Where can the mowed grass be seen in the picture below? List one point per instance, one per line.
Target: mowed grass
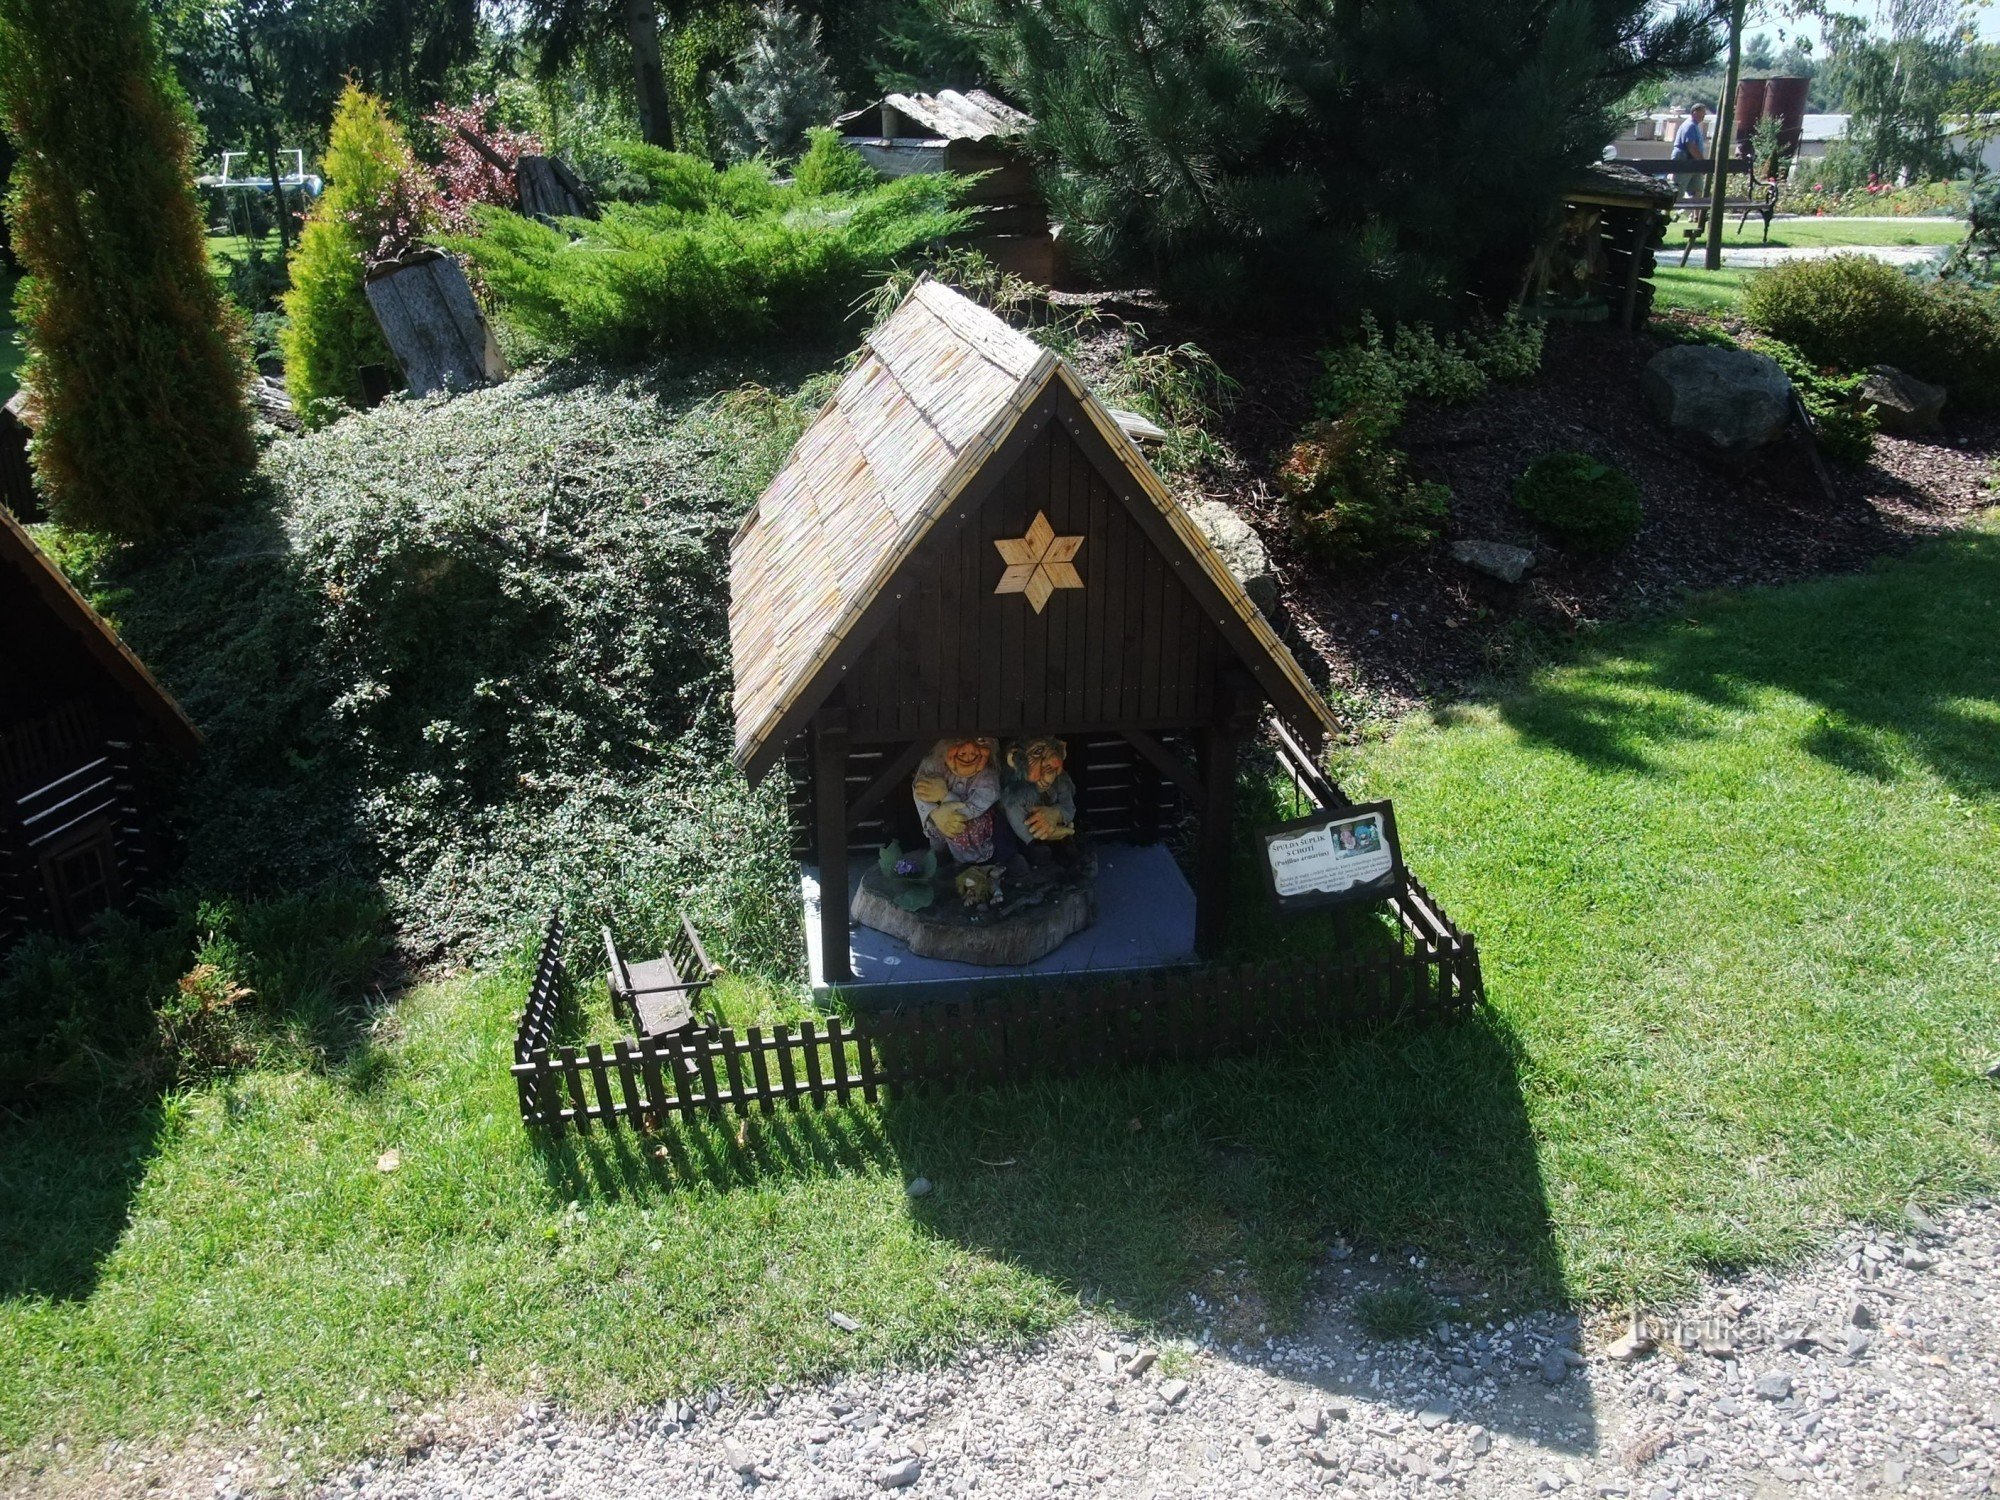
(1695, 290)
(1833, 232)
(1733, 881)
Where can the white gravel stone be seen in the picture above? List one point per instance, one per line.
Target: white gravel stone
(1323, 1412)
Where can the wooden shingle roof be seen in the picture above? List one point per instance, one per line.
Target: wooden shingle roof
(974, 115)
(940, 386)
(24, 565)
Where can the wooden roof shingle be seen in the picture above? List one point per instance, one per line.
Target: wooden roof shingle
(940, 385)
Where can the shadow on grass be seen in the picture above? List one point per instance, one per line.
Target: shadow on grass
(1903, 664)
(67, 1179)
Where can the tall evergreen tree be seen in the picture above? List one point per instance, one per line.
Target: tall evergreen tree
(780, 91)
(1307, 157)
(135, 373)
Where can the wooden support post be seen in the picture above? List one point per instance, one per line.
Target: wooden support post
(1235, 710)
(830, 808)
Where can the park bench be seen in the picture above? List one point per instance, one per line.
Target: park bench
(1760, 197)
(659, 994)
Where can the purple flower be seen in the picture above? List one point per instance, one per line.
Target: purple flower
(908, 867)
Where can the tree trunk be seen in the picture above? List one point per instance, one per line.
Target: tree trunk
(642, 26)
(256, 81)
(1723, 148)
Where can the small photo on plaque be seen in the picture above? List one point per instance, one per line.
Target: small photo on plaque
(1332, 858)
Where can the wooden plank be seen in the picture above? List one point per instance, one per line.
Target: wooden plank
(627, 1069)
(656, 1089)
(758, 1068)
(731, 1047)
(600, 1079)
(810, 1041)
(836, 1040)
(580, 1106)
(865, 1048)
(783, 1042)
(830, 800)
(711, 1094)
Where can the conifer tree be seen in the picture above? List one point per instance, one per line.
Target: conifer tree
(135, 372)
(1306, 158)
(378, 204)
(781, 89)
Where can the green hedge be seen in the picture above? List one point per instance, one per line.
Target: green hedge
(1853, 311)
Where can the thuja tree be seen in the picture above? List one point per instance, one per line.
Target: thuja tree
(1308, 157)
(135, 372)
(780, 91)
(378, 203)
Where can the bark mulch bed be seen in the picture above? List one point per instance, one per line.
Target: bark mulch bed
(1423, 627)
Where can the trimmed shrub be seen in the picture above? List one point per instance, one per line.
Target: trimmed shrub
(712, 258)
(134, 368)
(1585, 501)
(378, 203)
(1349, 495)
(1852, 311)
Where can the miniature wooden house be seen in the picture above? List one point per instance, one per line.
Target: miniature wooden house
(965, 542)
(970, 135)
(80, 717)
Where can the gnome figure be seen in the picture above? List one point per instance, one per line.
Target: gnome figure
(1040, 798)
(956, 787)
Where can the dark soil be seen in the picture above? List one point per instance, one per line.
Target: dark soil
(1423, 627)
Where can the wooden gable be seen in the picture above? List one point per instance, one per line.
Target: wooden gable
(871, 563)
(1133, 645)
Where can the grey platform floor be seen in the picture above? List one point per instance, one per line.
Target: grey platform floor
(1145, 920)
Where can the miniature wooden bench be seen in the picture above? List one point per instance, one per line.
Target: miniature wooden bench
(659, 994)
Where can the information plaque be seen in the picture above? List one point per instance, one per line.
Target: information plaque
(1333, 858)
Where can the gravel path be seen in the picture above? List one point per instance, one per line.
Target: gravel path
(1876, 1370)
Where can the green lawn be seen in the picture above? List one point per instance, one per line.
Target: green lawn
(1695, 289)
(1732, 877)
(1833, 232)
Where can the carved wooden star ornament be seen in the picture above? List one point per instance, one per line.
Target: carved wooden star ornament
(1039, 563)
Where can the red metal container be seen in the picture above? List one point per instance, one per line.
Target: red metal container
(1785, 101)
(1749, 107)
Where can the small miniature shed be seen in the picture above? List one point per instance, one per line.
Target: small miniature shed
(968, 134)
(81, 723)
(1596, 263)
(966, 542)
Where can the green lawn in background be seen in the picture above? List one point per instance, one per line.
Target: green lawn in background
(1833, 232)
(1696, 290)
(1732, 878)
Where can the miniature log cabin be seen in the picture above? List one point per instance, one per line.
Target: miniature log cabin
(81, 720)
(966, 545)
(971, 135)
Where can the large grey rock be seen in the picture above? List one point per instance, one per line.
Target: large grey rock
(1733, 400)
(1495, 559)
(1237, 543)
(1903, 403)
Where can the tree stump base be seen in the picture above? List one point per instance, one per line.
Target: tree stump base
(1041, 907)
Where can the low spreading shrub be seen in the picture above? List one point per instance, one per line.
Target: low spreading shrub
(1418, 362)
(1852, 311)
(1843, 424)
(476, 651)
(710, 259)
(1349, 495)
(1583, 500)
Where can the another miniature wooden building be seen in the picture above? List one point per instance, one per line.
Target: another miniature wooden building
(79, 717)
(966, 542)
(969, 134)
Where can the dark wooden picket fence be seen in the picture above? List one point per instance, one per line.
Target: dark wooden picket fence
(1423, 966)
(1167, 1016)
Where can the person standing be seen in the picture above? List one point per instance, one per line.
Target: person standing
(1691, 147)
